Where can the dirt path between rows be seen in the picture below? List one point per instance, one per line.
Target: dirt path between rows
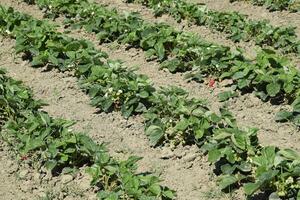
(9, 185)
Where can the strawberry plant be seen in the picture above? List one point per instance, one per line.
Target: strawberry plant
(183, 52)
(241, 161)
(224, 96)
(14, 97)
(175, 118)
(113, 87)
(271, 77)
(49, 142)
(120, 183)
(293, 115)
(231, 148)
(158, 40)
(237, 26)
(277, 5)
(200, 58)
(48, 139)
(276, 170)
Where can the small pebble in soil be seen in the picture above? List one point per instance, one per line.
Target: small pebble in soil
(23, 174)
(66, 178)
(190, 157)
(167, 154)
(84, 183)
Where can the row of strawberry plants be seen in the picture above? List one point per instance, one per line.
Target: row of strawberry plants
(49, 142)
(171, 116)
(276, 5)
(110, 85)
(237, 26)
(272, 77)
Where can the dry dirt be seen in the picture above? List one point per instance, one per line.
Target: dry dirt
(185, 169)
(21, 182)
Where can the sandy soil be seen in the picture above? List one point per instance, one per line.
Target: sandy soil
(21, 182)
(184, 169)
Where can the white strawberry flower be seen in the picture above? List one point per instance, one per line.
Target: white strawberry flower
(110, 90)
(8, 32)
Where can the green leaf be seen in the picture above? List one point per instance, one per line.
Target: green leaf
(71, 54)
(266, 159)
(296, 105)
(126, 112)
(149, 53)
(230, 155)
(288, 87)
(53, 60)
(199, 134)
(239, 140)
(245, 167)
(51, 164)
(198, 112)
(296, 120)
(222, 135)
(169, 194)
(37, 61)
(155, 189)
(144, 94)
(159, 47)
(224, 96)
(273, 89)
(227, 180)
(290, 154)
(45, 118)
(106, 104)
(262, 95)
(228, 169)
(283, 116)
(155, 134)
(73, 46)
(263, 179)
(238, 75)
(214, 155)
(250, 188)
(242, 83)
(182, 125)
(33, 144)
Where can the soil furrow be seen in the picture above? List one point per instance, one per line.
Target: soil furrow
(9, 185)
